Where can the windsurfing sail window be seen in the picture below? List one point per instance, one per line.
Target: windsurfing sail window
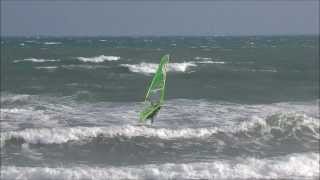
(156, 90)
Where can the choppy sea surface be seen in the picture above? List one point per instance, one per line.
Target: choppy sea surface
(236, 108)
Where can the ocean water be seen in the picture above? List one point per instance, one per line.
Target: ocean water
(236, 108)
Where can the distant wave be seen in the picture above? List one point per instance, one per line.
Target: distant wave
(36, 60)
(98, 59)
(84, 66)
(207, 60)
(30, 41)
(283, 126)
(202, 58)
(47, 67)
(292, 166)
(211, 62)
(263, 70)
(52, 43)
(148, 68)
(266, 70)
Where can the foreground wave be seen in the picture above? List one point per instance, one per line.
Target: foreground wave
(63, 135)
(278, 126)
(293, 166)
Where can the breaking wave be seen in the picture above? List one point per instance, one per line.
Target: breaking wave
(13, 98)
(211, 62)
(30, 41)
(207, 60)
(51, 43)
(279, 127)
(47, 67)
(293, 166)
(202, 58)
(148, 68)
(36, 60)
(63, 135)
(263, 70)
(98, 59)
(84, 66)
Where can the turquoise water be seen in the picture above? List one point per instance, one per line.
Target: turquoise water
(235, 106)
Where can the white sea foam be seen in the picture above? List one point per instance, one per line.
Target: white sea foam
(12, 98)
(207, 60)
(83, 66)
(36, 60)
(211, 62)
(14, 110)
(180, 67)
(52, 43)
(286, 123)
(148, 68)
(63, 135)
(263, 70)
(47, 67)
(202, 58)
(179, 118)
(30, 41)
(13, 118)
(145, 68)
(292, 166)
(98, 59)
(31, 111)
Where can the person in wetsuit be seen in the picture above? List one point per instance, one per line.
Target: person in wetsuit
(155, 112)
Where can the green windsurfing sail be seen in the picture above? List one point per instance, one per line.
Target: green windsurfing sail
(155, 93)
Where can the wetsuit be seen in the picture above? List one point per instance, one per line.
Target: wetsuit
(155, 112)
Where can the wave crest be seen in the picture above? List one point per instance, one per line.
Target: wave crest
(98, 59)
(278, 127)
(36, 60)
(283, 126)
(52, 43)
(300, 166)
(149, 68)
(63, 135)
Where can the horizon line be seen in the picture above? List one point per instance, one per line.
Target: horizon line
(221, 35)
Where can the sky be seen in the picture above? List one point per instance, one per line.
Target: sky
(162, 18)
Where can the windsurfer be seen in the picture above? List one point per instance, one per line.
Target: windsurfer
(157, 107)
(155, 92)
